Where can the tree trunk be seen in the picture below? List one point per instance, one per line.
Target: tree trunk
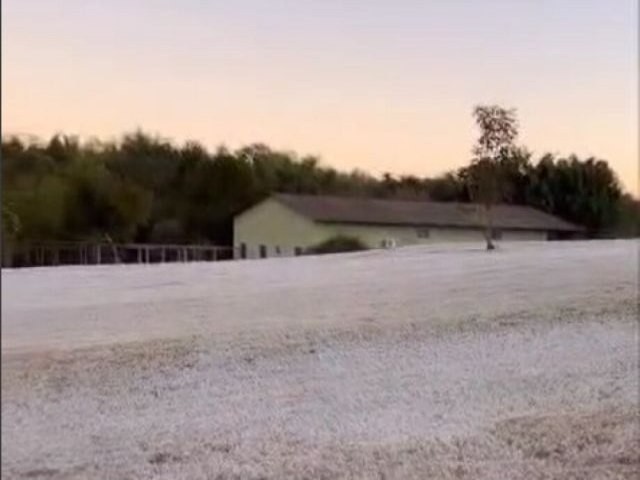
(114, 249)
(490, 245)
(488, 231)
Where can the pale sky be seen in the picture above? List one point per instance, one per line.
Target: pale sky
(376, 85)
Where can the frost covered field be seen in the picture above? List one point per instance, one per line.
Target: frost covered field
(426, 362)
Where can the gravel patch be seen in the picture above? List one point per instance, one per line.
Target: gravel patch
(414, 363)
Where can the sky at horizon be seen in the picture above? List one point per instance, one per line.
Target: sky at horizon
(383, 86)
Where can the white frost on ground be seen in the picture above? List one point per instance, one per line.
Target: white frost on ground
(425, 362)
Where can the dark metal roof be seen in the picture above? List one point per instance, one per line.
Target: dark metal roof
(419, 213)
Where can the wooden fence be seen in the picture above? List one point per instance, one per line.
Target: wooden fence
(86, 253)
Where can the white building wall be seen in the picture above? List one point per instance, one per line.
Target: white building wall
(374, 235)
(524, 235)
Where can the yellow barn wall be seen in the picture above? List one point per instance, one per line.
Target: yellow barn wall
(273, 225)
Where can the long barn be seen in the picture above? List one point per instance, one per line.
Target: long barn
(286, 225)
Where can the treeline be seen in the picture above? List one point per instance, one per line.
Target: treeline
(146, 189)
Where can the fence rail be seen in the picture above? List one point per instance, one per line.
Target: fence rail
(98, 253)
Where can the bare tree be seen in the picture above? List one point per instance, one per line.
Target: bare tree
(498, 131)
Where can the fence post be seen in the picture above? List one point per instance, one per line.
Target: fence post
(90, 253)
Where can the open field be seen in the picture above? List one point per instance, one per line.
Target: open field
(426, 362)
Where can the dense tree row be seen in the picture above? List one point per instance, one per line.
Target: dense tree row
(145, 189)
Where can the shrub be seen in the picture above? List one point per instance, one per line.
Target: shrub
(338, 244)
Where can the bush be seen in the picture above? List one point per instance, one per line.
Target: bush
(338, 244)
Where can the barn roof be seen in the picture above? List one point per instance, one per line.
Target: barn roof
(371, 211)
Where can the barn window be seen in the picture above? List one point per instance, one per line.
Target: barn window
(263, 251)
(423, 232)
